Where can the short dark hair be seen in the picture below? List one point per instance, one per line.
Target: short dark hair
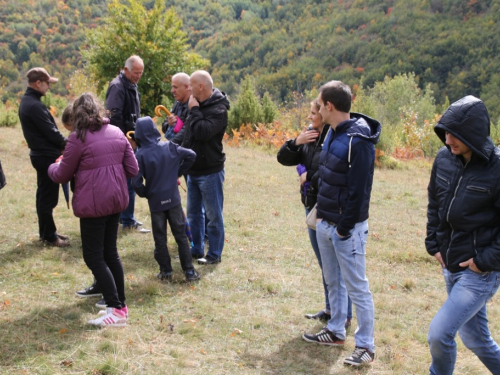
(337, 93)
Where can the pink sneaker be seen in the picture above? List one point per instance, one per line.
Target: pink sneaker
(124, 310)
(112, 318)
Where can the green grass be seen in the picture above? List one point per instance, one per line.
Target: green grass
(245, 316)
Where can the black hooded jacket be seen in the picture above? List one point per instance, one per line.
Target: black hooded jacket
(205, 128)
(464, 197)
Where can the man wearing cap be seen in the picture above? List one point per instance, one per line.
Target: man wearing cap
(46, 144)
(123, 103)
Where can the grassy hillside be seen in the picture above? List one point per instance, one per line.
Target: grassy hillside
(246, 315)
(287, 45)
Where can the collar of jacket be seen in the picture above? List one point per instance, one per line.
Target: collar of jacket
(32, 92)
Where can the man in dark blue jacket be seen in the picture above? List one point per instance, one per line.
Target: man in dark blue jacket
(181, 90)
(463, 234)
(123, 102)
(160, 165)
(205, 129)
(46, 144)
(345, 183)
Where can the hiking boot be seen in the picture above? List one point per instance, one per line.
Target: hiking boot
(209, 260)
(112, 318)
(192, 275)
(322, 315)
(323, 337)
(91, 291)
(360, 357)
(101, 304)
(62, 237)
(164, 276)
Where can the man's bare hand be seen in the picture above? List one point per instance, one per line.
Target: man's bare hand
(439, 259)
(172, 120)
(470, 263)
(193, 102)
(303, 178)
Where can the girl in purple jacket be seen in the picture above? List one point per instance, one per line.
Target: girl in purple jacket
(100, 158)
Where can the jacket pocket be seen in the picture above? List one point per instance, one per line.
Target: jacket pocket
(478, 189)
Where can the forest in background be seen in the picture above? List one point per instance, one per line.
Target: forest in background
(286, 45)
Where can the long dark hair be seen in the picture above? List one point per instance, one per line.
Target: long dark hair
(88, 114)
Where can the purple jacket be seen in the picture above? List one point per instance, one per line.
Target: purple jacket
(100, 166)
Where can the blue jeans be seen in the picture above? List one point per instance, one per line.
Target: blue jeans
(344, 268)
(464, 311)
(127, 216)
(206, 191)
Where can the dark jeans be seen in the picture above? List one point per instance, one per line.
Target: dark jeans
(47, 196)
(178, 227)
(127, 216)
(101, 256)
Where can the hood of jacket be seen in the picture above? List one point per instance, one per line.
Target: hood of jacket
(217, 97)
(467, 119)
(146, 132)
(361, 126)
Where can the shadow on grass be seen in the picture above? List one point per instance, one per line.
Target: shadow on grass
(300, 357)
(295, 357)
(43, 331)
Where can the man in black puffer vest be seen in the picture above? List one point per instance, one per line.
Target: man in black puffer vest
(345, 183)
(463, 233)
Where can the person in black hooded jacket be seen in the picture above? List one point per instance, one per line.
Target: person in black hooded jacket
(204, 131)
(463, 233)
(305, 150)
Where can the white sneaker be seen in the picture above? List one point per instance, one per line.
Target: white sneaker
(112, 318)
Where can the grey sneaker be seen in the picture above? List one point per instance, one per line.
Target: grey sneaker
(360, 357)
(101, 304)
(136, 227)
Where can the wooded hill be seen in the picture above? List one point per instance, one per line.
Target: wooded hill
(287, 45)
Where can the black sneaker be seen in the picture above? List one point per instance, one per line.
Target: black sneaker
(322, 315)
(323, 337)
(192, 275)
(209, 260)
(164, 276)
(101, 304)
(360, 357)
(91, 291)
(197, 256)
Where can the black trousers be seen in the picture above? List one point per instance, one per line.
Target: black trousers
(47, 196)
(178, 227)
(101, 256)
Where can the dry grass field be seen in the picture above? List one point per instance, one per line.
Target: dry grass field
(246, 315)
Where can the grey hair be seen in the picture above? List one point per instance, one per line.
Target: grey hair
(131, 60)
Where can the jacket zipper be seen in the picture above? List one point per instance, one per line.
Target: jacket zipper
(449, 209)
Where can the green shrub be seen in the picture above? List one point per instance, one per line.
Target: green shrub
(8, 116)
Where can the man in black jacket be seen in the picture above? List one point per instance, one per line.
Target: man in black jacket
(181, 90)
(205, 128)
(123, 102)
(46, 144)
(463, 233)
